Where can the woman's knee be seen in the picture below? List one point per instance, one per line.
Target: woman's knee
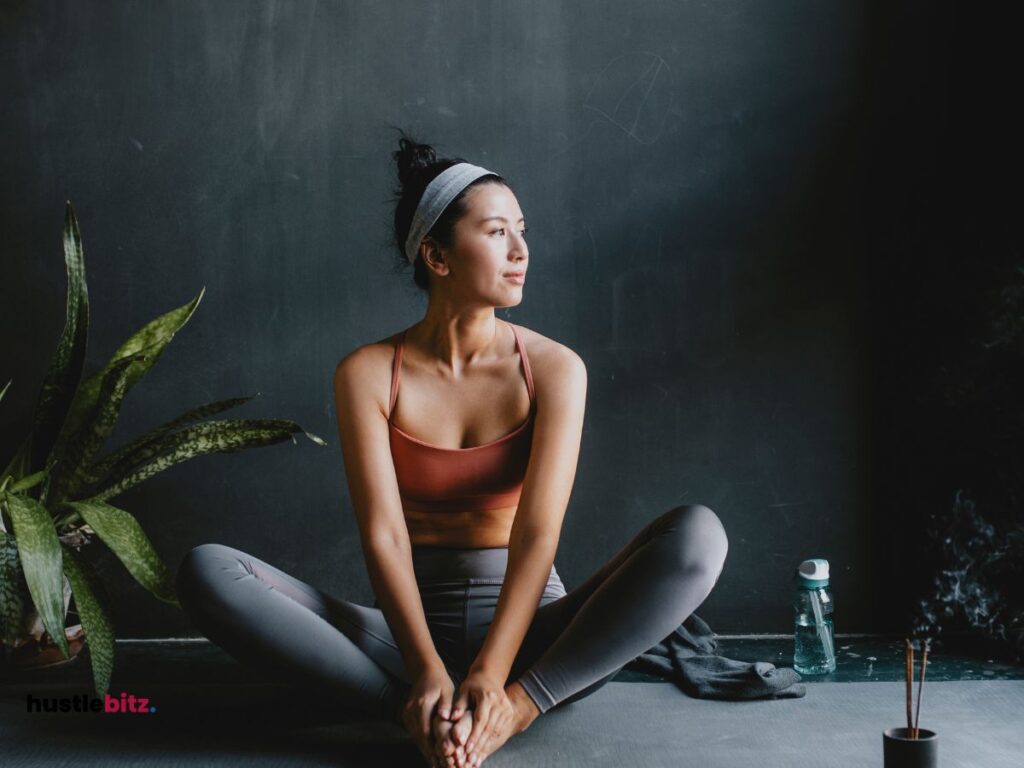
(196, 567)
(702, 538)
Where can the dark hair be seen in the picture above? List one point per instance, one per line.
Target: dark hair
(417, 167)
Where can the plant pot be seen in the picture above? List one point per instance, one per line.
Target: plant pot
(901, 751)
(43, 653)
(33, 647)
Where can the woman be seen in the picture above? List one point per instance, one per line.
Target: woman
(459, 485)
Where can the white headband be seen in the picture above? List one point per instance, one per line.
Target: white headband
(441, 190)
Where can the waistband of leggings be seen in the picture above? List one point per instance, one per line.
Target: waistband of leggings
(441, 564)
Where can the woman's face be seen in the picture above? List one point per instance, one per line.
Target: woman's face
(490, 246)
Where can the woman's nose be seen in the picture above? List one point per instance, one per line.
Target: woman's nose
(519, 244)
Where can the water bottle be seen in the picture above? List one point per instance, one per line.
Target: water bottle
(814, 646)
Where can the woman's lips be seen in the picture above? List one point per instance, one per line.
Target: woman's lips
(517, 278)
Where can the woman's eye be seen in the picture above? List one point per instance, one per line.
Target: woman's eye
(522, 233)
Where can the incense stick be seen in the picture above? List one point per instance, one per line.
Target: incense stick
(920, 687)
(908, 664)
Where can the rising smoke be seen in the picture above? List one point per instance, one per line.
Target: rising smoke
(978, 567)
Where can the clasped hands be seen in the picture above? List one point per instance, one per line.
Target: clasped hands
(432, 704)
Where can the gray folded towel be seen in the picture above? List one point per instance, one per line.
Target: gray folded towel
(689, 658)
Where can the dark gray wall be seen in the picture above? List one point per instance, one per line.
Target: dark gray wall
(695, 181)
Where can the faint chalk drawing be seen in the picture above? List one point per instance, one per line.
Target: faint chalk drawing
(633, 92)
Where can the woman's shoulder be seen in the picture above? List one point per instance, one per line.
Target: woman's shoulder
(372, 353)
(369, 365)
(549, 359)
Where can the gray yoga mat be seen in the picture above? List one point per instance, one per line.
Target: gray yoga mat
(835, 725)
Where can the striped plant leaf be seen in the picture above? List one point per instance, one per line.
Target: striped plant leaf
(120, 531)
(65, 371)
(192, 435)
(228, 436)
(152, 337)
(31, 481)
(140, 450)
(82, 446)
(12, 607)
(96, 623)
(39, 550)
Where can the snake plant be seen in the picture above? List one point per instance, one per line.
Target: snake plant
(55, 492)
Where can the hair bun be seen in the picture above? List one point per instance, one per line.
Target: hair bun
(412, 157)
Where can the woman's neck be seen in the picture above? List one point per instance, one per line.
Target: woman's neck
(455, 340)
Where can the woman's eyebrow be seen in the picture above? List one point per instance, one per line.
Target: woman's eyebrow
(502, 218)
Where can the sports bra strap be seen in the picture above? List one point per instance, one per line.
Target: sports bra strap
(526, 362)
(396, 368)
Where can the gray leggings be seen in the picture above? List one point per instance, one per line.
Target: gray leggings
(576, 642)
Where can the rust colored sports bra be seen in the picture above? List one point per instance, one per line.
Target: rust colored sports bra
(488, 476)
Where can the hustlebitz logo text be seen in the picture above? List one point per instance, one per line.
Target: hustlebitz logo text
(125, 704)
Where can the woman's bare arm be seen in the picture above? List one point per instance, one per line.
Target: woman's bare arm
(561, 401)
(365, 447)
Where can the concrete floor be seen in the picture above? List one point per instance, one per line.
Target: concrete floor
(211, 711)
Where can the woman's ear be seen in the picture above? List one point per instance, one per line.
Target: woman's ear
(433, 256)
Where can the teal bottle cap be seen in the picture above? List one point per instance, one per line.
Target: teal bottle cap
(812, 573)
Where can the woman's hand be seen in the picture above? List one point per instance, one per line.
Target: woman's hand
(432, 690)
(492, 709)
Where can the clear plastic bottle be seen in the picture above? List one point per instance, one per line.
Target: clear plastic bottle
(814, 644)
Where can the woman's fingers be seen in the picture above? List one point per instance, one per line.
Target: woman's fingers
(496, 724)
(483, 749)
(444, 704)
(460, 705)
(481, 722)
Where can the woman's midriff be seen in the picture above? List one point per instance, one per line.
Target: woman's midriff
(470, 529)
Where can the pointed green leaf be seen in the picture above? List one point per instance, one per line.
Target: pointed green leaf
(194, 434)
(12, 607)
(81, 446)
(152, 337)
(65, 371)
(227, 436)
(96, 623)
(142, 449)
(120, 531)
(29, 482)
(39, 549)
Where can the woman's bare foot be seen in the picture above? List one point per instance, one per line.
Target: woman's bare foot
(525, 713)
(450, 737)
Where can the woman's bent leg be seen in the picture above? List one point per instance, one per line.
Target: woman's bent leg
(272, 621)
(578, 642)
